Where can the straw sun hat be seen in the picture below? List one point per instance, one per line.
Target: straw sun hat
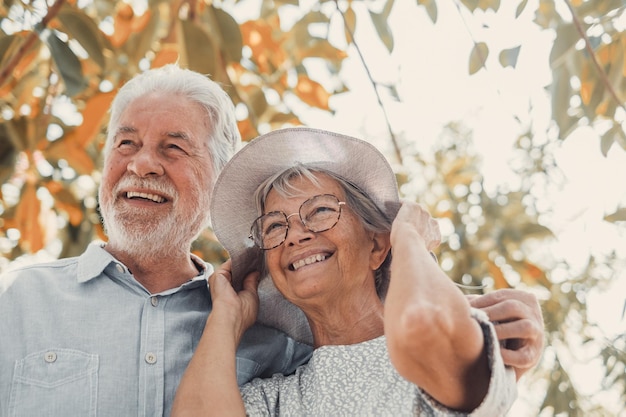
(233, 208)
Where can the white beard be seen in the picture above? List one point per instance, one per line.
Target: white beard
(146, 235)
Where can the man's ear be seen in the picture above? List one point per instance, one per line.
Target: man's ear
(380, 248)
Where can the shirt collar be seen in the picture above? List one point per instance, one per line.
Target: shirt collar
(95, 259)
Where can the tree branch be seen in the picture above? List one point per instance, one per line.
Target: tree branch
(592, 54)
(374, 85)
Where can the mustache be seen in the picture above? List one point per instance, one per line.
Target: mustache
(158, 185)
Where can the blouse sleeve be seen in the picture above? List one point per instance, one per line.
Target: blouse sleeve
(260, 396)
(502, 390)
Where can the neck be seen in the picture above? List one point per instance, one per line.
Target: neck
(157, 272)
(347, 323)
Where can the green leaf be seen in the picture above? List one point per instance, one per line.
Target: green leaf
(431, 8)
(383, 30)
(140, 43)
(257, 101)
(566, 38)
(478, 57)
(68, 65)
(618, 216)
(607, 140)
(8, 155)
(201, 53)
(80, 27)
(508, 57)
(5, 45)
(232, 41)
(560, 92)
(520, 8)
(470, 4)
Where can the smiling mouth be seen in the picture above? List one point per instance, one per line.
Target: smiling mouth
(145, 196)
(307, 261)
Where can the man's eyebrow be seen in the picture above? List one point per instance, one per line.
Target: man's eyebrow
(125, 129)
(178, 135)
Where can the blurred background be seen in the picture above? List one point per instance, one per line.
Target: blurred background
(507, 119)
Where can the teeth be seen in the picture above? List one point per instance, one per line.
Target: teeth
(308, 261)
(153, 197)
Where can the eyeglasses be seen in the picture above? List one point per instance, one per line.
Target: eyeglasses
(318, 214)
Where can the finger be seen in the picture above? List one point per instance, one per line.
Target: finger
(251, 282)
(519, 329)
(502, 295)
(217, 281)
(521, 358)
(226, 270)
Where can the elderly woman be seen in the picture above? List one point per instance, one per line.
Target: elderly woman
(324, 226)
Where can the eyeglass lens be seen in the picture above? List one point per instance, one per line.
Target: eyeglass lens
(318, 214)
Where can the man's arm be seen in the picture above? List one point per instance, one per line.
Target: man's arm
(518, 321)
(517, 318)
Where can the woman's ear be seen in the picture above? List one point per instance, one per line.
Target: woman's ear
(380, 248)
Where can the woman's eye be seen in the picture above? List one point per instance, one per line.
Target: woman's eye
(273, 227)
(321, 210)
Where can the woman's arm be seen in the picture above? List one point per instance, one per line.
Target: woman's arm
(432, 338)
(209, 385)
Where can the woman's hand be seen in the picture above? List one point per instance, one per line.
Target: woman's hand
(412, 217)
(238, 310)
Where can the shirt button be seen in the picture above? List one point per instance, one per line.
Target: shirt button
(50, 357)
(120, 268)
(154, 301)
(151, 358)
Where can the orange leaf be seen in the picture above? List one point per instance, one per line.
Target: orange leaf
(139, 23)
(497, 275)
(93, 114)
(74, 212)
(247, 130)
(65, 201)
(312, 92)
(167, 55)
(27, 219)
(122, 23)
(71, 151)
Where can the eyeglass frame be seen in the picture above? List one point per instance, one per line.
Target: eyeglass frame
(287, 217)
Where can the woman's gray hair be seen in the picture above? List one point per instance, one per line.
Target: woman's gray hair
(370, 215)
(224, 138)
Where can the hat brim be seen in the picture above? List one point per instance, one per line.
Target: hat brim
(233, 208)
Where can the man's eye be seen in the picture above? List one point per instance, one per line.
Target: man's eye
(174, 147)
(125, 142)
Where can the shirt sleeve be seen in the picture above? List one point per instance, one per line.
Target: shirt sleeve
(265, 351)
(502, 390)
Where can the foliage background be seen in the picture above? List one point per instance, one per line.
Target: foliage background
(61, 63)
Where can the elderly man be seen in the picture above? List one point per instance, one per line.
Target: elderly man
(110, 332)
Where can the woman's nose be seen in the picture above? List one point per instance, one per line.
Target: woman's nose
(297, 231)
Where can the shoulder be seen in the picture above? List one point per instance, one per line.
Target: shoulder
(36, 274)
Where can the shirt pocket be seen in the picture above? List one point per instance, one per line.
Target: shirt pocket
(63, 382)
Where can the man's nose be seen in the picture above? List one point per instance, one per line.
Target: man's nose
(146, 163)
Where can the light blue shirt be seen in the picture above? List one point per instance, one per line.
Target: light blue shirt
(81, 337)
